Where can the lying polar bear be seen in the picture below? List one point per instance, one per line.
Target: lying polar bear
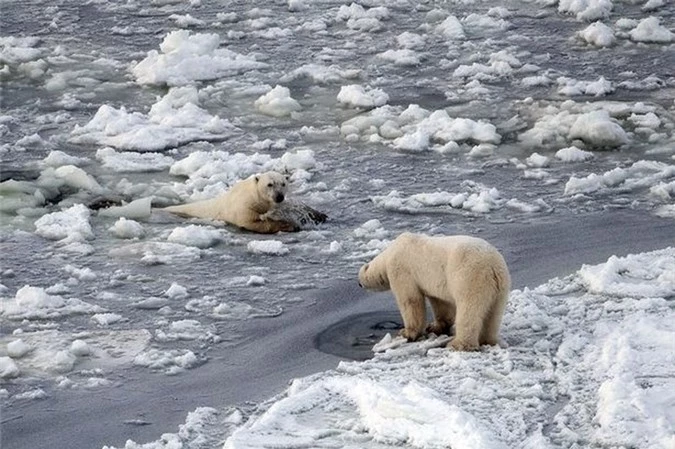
(256, 204)
(465, 279)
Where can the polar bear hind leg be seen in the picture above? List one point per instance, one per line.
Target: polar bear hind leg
(490, 333)
(444, 317)
(474, 303)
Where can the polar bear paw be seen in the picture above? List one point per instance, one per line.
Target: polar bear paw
(460, 345)
(410, 335)
(439, 328)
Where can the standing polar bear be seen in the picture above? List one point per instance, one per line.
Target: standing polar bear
(465, 279)
(251, 204)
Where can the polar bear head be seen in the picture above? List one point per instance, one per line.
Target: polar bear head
(373, 275)
(272, 186)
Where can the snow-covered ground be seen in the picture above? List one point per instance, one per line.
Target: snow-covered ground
(459, 116)
(588, 361)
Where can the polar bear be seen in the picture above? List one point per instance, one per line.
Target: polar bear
(249, 204)
(465, 279)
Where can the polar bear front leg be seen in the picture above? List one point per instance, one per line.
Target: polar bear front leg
(410, 303)
(264, 225)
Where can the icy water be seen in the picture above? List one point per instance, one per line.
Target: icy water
(177, 320)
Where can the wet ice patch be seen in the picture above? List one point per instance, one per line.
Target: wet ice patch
(586, 9)
(572, 87)
(8, 368)
(651, 30)
(170, 361)
(195, 235)
(573, 154)
(186, 58)
(641, 175)
(58, 158)
(154, 253)
(476, 198)
(321, 74)
(451, 28)
(21, 56)
(140, 208)
(269, 247)
(69, 225)
(358, 96)
(129, 161)
(127, 229)
(187, 330)
(416, 129)
(34, 303)
(598, 34)
(598, 129)
(358, 18)
(174, 120)
(277, 102)
(600, 125)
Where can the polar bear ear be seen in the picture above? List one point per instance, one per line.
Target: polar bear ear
(257, 178)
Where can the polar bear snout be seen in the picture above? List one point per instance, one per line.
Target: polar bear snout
(278, 197)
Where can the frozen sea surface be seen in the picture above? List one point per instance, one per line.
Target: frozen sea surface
(545, 127)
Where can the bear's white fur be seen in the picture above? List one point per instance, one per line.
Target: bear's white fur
(465, 279)
(247, 204)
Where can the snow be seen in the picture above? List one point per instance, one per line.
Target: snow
(437, 117)
(358, 96)
(58, 158)
(277, 102)
(70, 225)
(176, 291)
(174, 120)
(414, 128)
(269, 247)
(573, 154)
(17, 349)
(34, 303)
(139, 208)
(127, 229)
(651, 30)
(187, 57)
(130, 161)
(586, 9)
(195, 235)
(451, 28)
(155, 253)
(171, 361)
(573, 369)
(639, 176)
(477, 198)
(598, 129)
(598, 34)
(8, 368)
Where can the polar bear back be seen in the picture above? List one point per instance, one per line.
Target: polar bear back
(440, 265)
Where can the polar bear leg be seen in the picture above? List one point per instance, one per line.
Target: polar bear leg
(490, 333)
(270, 226)
(472, 312)
(444, 317)
(411, 305)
